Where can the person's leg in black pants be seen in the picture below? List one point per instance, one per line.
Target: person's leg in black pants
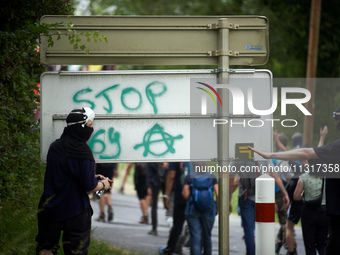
(176, 230)
(333, 246)
(76, 236)
(322, 231)
(309, 223)
(154, 220)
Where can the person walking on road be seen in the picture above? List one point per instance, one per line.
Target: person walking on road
(201, 210)
(139, 179)
(289, 218)
(108, 170)
(314, 220)
(280, 141)
(153, 186)
(173, 182)
(70, 174)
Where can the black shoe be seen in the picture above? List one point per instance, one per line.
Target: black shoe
(153, 232)
(162, 251)
(292, 253)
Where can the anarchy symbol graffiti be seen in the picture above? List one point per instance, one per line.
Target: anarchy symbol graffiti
(157, 135)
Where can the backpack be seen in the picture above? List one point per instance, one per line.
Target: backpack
(201, 194)
(248, 185)
(315, 203)
(247, 179)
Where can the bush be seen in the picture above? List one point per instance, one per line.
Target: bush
(19, 76)
(21, 168)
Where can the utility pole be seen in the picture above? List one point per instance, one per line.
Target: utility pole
(312, 60)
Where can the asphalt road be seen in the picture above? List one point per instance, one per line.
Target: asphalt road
(125, 231)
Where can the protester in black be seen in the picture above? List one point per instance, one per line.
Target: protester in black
(173, 182)
(314, 220)
(153, 186)
(329, 155)
(64, 205)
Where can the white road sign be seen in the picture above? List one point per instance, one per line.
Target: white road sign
(147, 115)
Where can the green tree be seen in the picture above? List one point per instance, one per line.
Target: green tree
(19, 75)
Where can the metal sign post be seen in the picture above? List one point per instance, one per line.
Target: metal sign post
(223, 140)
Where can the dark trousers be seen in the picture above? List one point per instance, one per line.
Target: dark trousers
(76, 234)
(154, 206)
(333, 245)
(176, 230)
(200, 227)
(247, 209)
(282, 215)
(315, 225)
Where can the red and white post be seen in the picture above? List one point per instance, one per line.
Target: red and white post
(265, 215)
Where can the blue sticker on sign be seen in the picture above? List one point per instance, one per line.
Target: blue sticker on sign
(254, 47)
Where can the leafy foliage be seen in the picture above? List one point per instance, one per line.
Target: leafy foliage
(19, 76)
(72, 35)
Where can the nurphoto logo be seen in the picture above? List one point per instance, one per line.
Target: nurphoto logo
(240, 100)
(204, 98)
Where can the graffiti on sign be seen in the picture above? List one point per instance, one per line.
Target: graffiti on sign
(157, 135)
(113, 141)
(152, 91)
(106, 143)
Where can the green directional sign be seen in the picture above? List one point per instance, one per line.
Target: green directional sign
(159, 40)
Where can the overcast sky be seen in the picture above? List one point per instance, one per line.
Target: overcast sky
(81, 7)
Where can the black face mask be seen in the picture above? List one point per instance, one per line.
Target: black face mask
(85, 133)
(338, 126)
(80, 133)
(72, 142)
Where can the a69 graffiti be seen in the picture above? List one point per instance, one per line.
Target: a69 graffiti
(107, 145)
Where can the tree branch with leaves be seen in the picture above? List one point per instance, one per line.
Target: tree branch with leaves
(75, 38)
